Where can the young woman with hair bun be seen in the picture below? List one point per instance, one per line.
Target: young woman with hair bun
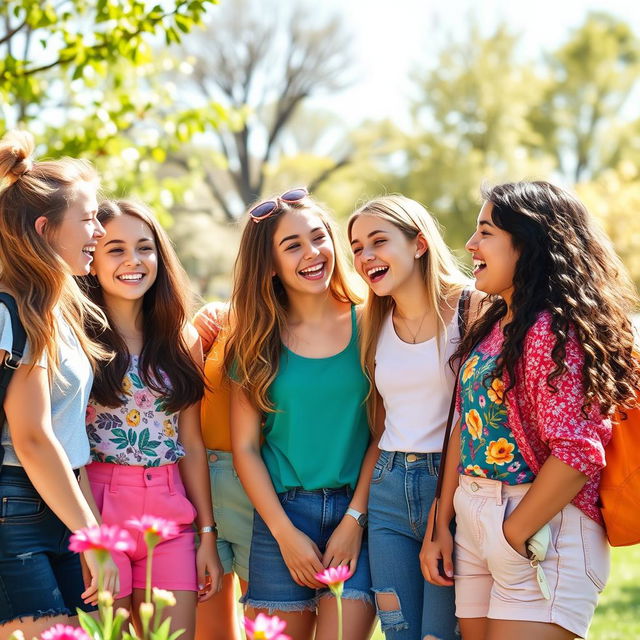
(542, 371)
(48, 232)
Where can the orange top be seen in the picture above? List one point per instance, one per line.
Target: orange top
(214, 412)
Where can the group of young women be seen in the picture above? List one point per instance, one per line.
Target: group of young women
(323, 418)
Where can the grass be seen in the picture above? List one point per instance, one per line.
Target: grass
(618, 613)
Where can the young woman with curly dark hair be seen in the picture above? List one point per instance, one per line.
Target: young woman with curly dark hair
(542, 370)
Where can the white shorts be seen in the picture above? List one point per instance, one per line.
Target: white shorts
(493, 580)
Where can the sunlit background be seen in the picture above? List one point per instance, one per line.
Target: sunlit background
(200, 109)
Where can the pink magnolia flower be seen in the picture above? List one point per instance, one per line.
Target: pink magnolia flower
(154, 529)
(64, 632)
(102, 538)
(265, 628)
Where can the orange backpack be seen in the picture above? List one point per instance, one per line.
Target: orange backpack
(620, 482)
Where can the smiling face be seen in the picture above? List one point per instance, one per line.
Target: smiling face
(494, 256)
(303, 252)
(384, 257)
(76, 237)
(126, 258)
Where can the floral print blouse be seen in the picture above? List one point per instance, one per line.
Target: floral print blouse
(140, 432)
(549, 421)
(487, 446)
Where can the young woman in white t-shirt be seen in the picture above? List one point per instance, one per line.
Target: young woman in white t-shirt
(410, 330)
(48, 230)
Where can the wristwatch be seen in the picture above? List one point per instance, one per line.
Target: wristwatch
(360, 518)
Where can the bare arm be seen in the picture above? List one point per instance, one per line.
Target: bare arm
(553, 489)
(194, 471)
(299, 552)
(28, 410)
(343, 547)
(441, 548)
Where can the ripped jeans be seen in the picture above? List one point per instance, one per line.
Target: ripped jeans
(402, 490)
(39, 576)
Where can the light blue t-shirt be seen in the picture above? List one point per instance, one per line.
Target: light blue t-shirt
(69, 393)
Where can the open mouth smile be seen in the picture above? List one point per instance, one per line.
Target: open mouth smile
(314, 272)
(375, 274)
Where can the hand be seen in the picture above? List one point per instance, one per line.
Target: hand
(515, 541)
(209, 567)
(302, 557)
(435, 554)
(209, 321)
(110, 578)
(344, 544)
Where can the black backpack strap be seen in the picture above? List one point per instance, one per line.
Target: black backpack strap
(11, 360)
(463, 317)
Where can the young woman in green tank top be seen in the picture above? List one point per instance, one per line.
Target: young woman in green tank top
(299, 430)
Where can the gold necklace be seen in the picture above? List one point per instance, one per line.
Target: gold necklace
(404, 320)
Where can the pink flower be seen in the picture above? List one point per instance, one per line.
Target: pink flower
(154, 529)
(143, 399)
(335, 577)
(482, 401)
(265, 628)
(102, 538)
(64, 632)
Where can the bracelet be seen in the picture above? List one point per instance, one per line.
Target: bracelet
(212, 529)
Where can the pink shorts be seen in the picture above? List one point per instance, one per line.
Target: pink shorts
(122, 492)
(493, 580)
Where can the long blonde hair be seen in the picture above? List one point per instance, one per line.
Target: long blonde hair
(30, 269)
(441, 272)
(259, 303)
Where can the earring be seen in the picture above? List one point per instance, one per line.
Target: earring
(417, 255)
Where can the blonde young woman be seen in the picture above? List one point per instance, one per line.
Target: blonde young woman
(410, 330)
(48, 231)
(298, 422)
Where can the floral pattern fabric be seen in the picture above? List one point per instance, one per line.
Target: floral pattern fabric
(140, 432)
(549, 421)
(487, 446)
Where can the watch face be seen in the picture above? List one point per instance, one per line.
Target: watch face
(362, 520)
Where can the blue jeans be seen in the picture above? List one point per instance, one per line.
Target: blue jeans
(316, 514)
(402, 490)
(39, 576)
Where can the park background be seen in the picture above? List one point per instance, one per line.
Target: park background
(200, 108)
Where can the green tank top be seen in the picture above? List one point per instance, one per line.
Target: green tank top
(319, 433)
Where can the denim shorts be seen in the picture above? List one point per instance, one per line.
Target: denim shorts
(232, 512)
(316, 514)
(39, 576)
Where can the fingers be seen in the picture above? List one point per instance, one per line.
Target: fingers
(90, 594)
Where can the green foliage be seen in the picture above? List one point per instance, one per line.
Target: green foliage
(89, 80)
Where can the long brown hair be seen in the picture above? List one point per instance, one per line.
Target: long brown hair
(259, 302)
(568, 268)
(30, 269)
(166, 364)
(441, 273)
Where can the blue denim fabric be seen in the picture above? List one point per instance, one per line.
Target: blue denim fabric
(39, 576)
(402, 490)
(316, 514)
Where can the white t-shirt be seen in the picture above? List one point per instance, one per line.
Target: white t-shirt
(415, 382)
(69, 393)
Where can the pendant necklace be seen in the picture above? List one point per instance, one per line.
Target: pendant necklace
(413, 335)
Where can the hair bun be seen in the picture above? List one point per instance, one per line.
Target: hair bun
(16, 148)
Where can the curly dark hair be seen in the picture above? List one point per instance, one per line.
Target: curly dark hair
(568, 268)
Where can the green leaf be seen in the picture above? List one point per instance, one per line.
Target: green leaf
(89, 624)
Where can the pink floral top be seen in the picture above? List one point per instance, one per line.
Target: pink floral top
(544, 422)
(140, 432)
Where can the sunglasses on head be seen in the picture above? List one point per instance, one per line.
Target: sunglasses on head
(268, 207)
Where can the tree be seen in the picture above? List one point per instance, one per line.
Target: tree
(84, 76)
(590, 80)
(262, 63)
